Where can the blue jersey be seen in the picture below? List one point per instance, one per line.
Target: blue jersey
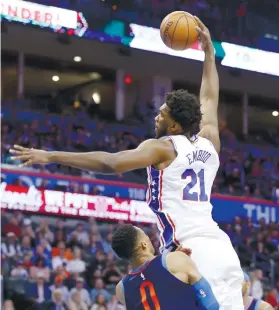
(253, 304)
(153, 287)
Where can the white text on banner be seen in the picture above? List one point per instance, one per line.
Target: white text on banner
(246, 58)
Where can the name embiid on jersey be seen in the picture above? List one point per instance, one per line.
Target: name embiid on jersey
(179, 195)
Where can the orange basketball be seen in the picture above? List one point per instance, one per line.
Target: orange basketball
(178, 30)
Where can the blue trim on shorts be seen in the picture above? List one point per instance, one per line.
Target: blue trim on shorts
(122, 287)
(205, 295)
(164, 259)
(257, 305)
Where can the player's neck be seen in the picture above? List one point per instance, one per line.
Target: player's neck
(141, 260)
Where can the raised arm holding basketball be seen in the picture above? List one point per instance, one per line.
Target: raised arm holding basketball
(209, 92)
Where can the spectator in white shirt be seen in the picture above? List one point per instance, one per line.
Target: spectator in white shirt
(76, 265)
(58, 285)
(84, 294)
(76, 303)
(256, 284)
(11, 248)
(61, 259)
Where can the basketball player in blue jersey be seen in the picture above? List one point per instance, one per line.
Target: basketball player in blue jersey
(251, 303)
(181, 169)
(166, 282)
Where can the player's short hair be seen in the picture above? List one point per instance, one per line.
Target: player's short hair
(124, 241)
(185, 109)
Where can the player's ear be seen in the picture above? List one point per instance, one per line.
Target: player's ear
(143, 245)
(175, 128)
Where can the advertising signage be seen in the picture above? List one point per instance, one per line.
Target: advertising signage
(44, 16)
(62, 203)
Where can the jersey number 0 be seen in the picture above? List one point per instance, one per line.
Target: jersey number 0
(148, 285)
(195, 177)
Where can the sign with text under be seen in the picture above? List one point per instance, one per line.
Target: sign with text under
(51, 202)
(42, 15)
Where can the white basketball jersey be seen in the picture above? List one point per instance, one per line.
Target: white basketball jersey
(179, 195)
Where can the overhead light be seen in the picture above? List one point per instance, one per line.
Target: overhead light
(77, 58)
(95, 76)
(55, 78)
(96, 97)
(275, 113)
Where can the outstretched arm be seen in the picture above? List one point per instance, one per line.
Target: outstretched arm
(209, 92)
(149, 152)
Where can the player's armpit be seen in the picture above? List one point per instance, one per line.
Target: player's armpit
(120, 293)
(182, 267)
(211, 133)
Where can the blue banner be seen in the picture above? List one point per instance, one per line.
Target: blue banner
(225, 209)
(69, 184)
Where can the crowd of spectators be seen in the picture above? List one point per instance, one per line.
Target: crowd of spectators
(49, 263)
(250, 172)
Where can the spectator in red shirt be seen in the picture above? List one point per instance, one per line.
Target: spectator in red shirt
(271, 298)
(13, 227)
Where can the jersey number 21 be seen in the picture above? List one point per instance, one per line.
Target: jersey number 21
(195, 177)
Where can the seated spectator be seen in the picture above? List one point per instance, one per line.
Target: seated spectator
(60, 255)
(256, 284)
(59, 285)
(99, 289)
(44, 230)
(46, 246)
(97, 262)
(27, 260)
(82, 234)
(261, 258)
(76, 265)
(73, 242)
(39, 267)
(11, 247)
(12, 227)
(100, 303)
(59, 237)
(39, 292)
(19, 271)
(107, 243)
(272, 298)
(61, 272)
(114, 304)
(95, 244)
(8, 305)
(26, 246)
(76, 303)
(28, 231)
(57, 300)
(245, 252)
(40, 254)
(85, 297)
(112, 274)
(71, 281)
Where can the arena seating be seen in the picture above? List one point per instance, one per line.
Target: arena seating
(246, 170)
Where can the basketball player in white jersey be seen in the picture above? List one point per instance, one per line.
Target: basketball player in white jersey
(181, 170)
